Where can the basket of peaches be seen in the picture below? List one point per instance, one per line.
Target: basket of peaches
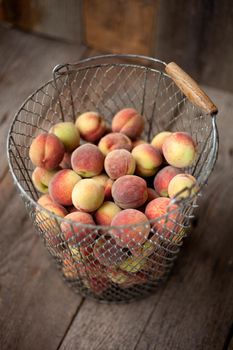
(111, 209)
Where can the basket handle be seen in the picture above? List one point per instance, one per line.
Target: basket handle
(190, 88)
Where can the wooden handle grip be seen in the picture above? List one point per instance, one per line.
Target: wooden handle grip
(190, 88)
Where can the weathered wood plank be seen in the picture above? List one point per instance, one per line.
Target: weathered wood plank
(194, 310)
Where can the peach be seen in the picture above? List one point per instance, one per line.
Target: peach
(147, 158)
(133, 264)
(159, 139)
(87, 160)
(163, 178)
(105, 213)
(129, 122)
(55, 208)
(46, 151)
(136, 230)
(152, 194)
(118, 163)
(61, 186)
(179, 149)
(46, 222)
(165, 216)
(106, 182)
(108, 252)
(44, 199)
(66, 161)
(41, 178)
(91, 126)
(138, 142)
(69, 269)
(68, 134)
(77, 232)
(129, 191)
(87, 195)
(182, 186)
(125, 279)
(114, 140)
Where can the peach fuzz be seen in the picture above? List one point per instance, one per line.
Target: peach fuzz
(108, 252)
(41, 178)
(68, 134)
(166, 225)
(159, 139)
(136, 231)
(163, 178)
(91, 126)
(181, 182)
(105, 213)
(114, 140)
(75, 233)
(44, 200)
(129, 191)
(61, 186)
(179, 149)
(118, 163)
(46, 151)
(129, 122)
(87, 160)
(147, 158)
(106, 182)
(66, 161)
(87, 195)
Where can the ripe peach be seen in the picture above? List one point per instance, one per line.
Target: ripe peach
(163, 178)
(61, 186)
(41, 178)
(159, 139)
(138, 142)
(168, 224)
(68, 134)
(133, 264)
(108, 252)
(45, 221)
(46, 151)
(129, 122)
(118, 163)
(179, 149)
(56, 208)
(66, 161)
(87, 195)
(76, 232)
(44, 199)
(105, 213)
(136, 231)
(114, 140)
(181, 182)
(129, 191)
(147, 158)
(87, 160)
(91, 126)
(107, 183)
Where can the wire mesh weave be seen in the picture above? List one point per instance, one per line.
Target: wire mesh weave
(96, 266)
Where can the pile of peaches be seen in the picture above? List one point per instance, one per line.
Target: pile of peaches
(112, 178)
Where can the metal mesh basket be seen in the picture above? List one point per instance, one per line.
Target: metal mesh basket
(96, 266)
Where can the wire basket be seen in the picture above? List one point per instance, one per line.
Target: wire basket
(96, 266)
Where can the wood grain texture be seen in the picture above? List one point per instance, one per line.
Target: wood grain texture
(194, 310)
(190, 88)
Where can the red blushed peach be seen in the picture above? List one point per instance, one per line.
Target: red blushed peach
(41, 178)
(118, 163)
(68, 134)
(44, 200)
(91, 126)
(163, 178)
(105, 213)
(87, 160)
(46, 222)
(152, 194)
(136, 231)
(129, 122)
(107, 183)
(46, 151)
(165, 216)
(129, 191)
(75, 233)
(138, 142)
(87, 195)
(114, 140)
(159, 139)
(179, 149)
(182, 186)
(61, 186)
(66, 161)
(147, 158)
(108, 252)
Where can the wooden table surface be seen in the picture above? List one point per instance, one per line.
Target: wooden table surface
(194, 310)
